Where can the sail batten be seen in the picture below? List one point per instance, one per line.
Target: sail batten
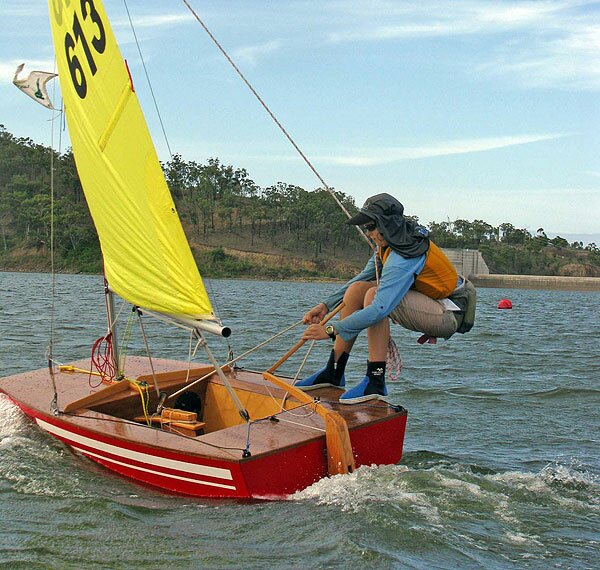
(147, 259)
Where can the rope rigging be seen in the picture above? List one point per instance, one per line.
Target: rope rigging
(269, 112)
(393, 357)
(137, 43)
(50, 349)
(276, 120)
(158, 113)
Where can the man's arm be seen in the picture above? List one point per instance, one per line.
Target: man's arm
(397, 277)
(367, 274)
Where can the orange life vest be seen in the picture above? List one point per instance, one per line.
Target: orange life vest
(438, 277)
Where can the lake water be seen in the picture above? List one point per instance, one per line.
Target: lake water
(501, 466)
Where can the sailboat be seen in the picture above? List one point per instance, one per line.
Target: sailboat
(205, 430)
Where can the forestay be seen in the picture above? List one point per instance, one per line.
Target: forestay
(147, 260)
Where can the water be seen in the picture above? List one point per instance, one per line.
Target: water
(501, 466)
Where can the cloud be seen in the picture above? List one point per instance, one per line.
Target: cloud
(389, 155)
(539, 44)
(21, 9)
(571, 61)
(430, 19)
(251, 54)
(155, 20)
(8, 68)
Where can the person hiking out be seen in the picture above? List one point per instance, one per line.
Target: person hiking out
(416, 279)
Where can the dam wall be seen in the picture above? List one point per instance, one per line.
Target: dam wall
(470, 263)
(467, 261)
(550, 282)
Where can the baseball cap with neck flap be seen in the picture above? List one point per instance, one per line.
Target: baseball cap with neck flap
(404, 236)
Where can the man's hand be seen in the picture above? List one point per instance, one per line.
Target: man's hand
(315, 315)
(315, 332)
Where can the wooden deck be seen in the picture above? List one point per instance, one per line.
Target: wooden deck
(293, 428)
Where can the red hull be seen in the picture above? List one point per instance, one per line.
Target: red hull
(287, 455)
(273, 476)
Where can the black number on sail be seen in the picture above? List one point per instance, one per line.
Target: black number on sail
(71, 41)
(99, 43)
(79, 35)
(77, 75)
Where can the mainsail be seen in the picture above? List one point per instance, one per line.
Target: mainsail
(147, 259)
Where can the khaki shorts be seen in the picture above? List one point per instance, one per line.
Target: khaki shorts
(420, 313)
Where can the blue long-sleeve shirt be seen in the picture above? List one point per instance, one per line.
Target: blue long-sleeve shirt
(397, 276)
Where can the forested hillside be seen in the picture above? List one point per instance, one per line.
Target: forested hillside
(235, 227)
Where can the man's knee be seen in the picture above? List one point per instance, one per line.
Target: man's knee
(369, 296)
(357, 290)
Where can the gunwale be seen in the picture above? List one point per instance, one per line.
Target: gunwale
(32, 391)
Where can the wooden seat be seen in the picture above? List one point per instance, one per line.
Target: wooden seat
(193, 427)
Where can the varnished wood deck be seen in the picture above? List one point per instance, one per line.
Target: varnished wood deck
(295, 427)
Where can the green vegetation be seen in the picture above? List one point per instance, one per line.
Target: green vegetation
(511, 250)
(236, 228)
(25, 210)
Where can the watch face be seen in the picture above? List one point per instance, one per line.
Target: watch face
(329, 329)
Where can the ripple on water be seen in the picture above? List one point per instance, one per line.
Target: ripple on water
(507, 410)
(507, 511)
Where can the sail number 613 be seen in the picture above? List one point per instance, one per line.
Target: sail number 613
(98, 44)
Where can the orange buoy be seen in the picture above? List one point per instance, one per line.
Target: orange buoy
(505, 304)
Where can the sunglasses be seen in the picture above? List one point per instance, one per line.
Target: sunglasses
(369, 227)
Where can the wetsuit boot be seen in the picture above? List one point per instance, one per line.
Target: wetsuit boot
(371, 387)
(332, 375)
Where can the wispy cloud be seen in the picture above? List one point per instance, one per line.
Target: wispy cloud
(147, 28)
(540, 44)
(389, 155)
(433, 18)
(251, 54)
(8, 68)
(568, 62)
(155, 20)
(21, 9)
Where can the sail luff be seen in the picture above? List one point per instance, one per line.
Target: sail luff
(147, 259)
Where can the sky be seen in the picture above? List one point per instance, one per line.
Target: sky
(467, 109)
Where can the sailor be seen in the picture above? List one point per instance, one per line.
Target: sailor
(415, 280)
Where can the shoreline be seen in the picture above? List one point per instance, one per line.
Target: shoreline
(497, 280)
(204, 277)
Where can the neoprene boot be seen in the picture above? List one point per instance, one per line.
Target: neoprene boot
(371, 387)
(332, 375)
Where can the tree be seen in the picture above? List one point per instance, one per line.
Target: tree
(559, 242)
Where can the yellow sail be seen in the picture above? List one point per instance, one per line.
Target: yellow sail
(147, 259)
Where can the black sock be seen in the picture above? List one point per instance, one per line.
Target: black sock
(340, 366)
(376, 374)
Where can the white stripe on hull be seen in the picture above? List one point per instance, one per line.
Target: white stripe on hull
(216, 472)
(159, 473)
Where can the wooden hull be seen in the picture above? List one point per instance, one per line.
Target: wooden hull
(286, 455)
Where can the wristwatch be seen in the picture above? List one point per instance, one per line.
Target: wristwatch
(330, 331)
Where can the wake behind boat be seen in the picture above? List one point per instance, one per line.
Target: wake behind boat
(212, 430)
